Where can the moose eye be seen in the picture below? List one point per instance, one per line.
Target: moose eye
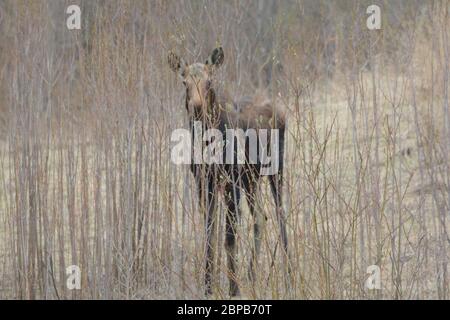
(184, 82)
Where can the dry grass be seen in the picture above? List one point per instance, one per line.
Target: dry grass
(85, 170)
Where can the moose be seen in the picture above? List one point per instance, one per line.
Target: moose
(205, 103)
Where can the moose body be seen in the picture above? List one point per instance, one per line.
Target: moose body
(215, 111)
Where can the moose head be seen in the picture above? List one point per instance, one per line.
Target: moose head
(197, 77)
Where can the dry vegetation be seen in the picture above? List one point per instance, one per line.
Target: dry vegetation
(85, 124)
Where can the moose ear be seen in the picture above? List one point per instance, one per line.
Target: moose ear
(176, 63)
(216, 57)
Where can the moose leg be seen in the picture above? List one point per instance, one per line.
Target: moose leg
(232, 195)
(250, 187)
(276, 187)
(207, 199)
(257, 225)
(210, 243)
